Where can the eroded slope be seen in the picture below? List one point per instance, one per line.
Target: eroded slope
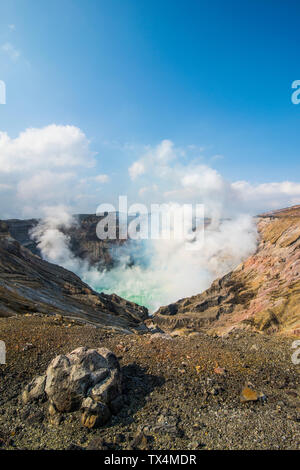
(29, 284)
(262, 293)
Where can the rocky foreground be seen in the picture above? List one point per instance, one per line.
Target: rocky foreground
(179, 391)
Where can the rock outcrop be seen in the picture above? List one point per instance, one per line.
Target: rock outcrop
(85, 379)
(20, 231)
(83, 240)
(262, 293)
(29, 284)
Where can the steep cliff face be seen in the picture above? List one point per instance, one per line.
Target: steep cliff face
(262, 293)
(29, 284)
(83, 239)
(20, 231)
(85, 244)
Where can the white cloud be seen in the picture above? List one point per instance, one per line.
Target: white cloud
(45, 185)
(217, 157)
(55, 165)
(46, 166)
(5, 187)
(137, 169)
(12, 27)
(51, 146)
(164, 152)
(274, 195)
(202, 178)
(102, 178)
(186, 181)
(286, 188)
(11, 51)
(159, 156)
(146, 189)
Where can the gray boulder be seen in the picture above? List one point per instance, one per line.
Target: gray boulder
(86, 379)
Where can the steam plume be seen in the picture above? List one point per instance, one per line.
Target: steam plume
(153, 272)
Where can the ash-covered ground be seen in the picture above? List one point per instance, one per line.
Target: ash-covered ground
(177, 395)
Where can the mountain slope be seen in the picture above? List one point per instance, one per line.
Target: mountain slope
(262, 293)
(29, 284)
(82, 236)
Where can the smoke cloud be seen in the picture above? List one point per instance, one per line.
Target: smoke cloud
(166, 271)
(54, 244)
(152, 272)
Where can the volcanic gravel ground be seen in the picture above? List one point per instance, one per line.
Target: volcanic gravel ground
(174, 397)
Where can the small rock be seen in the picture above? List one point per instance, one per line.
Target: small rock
(161, 335)
(140, 441)
(94, 413)
(52, 411)
(35, 390)
(74, 446)
(98, 443)
(220, 370)
(27, 347)
(36, 417)
(167, 425)
(248, 393)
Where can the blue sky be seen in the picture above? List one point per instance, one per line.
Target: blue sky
(210, 74)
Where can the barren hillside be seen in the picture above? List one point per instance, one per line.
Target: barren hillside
(262, 293)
